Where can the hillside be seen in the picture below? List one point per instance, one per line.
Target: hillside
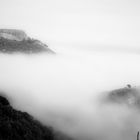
(13, 34)
(16, 41)
(127, 95)
(17, 125)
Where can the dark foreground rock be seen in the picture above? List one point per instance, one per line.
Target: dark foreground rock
(17, 125)
(15, 41)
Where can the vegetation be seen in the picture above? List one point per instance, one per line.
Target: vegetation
(127, 95)
(138, 135)
(17, 125)
(25, 46)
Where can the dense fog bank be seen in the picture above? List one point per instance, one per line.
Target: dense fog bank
(65, 90)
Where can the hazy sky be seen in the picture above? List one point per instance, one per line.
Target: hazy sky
(100, 22)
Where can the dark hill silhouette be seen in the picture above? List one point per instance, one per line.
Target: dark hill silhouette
(17, 125)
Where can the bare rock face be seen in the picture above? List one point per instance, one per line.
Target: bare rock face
(13, 34)
(16, 41)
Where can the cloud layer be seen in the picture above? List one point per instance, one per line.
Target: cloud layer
(65, 91)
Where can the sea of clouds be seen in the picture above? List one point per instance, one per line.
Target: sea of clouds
(65, 90)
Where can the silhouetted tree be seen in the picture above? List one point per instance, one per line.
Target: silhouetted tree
(138, 135)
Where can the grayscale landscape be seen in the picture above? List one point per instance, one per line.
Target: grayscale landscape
(69, 70)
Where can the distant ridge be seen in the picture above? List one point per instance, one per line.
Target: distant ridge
(17, 41)
(129, 96)
(13, 34)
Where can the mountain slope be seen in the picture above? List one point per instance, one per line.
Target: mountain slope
(17, 125)
(16, 41)
(127, 95)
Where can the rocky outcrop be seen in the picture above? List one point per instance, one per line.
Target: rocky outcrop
(127, 95)
(13, 34)
(15, 41)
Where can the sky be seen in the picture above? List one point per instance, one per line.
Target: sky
(91, 23)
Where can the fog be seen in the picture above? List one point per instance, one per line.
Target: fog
(65, 90)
